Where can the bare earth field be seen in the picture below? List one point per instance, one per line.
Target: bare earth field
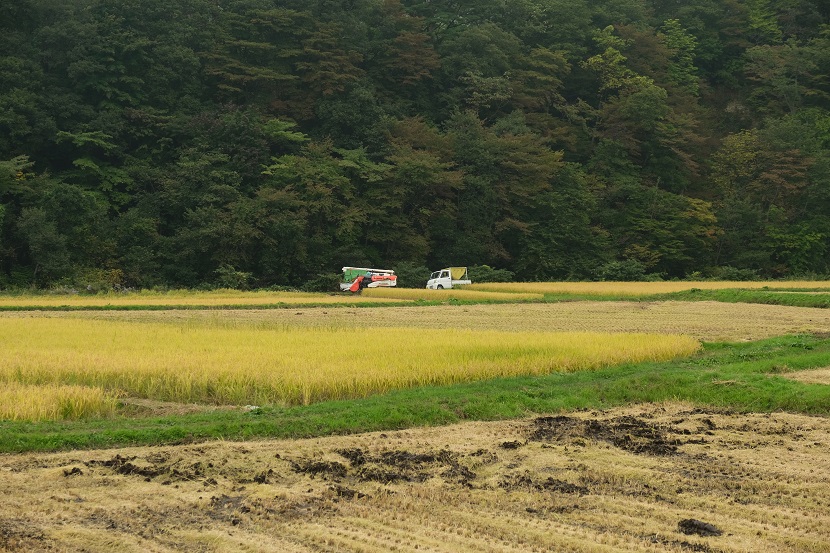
(708, 321)
(644, 478)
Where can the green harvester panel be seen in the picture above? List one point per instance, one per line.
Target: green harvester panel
(350, 274)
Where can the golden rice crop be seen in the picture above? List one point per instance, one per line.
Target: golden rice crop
(637, 288)
(216, 298)
(442, 295)
(291, 365)
(53, 401)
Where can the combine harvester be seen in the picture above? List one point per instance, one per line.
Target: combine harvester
(447, 278)
(356, 279)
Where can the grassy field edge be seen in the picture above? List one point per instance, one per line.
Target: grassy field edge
(768, 297)
(734, 377)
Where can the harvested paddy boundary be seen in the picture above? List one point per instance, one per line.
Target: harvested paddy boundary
(666, 477)
(709, 321)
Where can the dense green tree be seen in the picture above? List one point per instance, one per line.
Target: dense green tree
(268, 142)
(781, 77)
(504, 175)
(251, 61)
(564, 242)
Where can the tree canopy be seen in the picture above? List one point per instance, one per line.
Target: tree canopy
(267, 142)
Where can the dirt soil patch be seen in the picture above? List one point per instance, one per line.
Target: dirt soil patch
(666, 477)
(627, 433)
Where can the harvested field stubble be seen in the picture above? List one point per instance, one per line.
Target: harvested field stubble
(646, 478)
(708, 321)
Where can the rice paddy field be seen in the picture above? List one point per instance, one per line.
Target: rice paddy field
(233, 364)
(484, 419)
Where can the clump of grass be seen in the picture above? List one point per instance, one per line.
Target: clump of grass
(54, 402)
(237, 365)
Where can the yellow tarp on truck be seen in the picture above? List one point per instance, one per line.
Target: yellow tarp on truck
(458, 273)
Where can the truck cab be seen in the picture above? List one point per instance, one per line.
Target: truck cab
(447, 278)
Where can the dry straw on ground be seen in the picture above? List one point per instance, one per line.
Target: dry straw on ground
(625, 480)
(815, 376)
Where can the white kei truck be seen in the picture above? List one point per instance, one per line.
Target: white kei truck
(447, 278)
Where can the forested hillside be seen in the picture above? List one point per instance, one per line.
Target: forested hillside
(265, 142)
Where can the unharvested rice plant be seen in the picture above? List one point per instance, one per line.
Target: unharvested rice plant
(640, 288)
(217, 298)
(668, 477)
(54, 401)
(230, 364)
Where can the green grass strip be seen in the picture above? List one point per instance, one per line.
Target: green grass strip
(734, 377)
(770, 297)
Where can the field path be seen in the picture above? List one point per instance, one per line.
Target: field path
(644, 478)
(708, 321)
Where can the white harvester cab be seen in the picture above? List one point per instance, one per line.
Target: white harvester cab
(447, 278)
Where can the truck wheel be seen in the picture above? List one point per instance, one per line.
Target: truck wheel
(439, 287)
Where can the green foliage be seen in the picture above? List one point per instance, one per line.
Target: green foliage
(13, 173)
(47, 246)
(324, 282)
(229, 277)
(94, 281)
(763, 24)
(411, 275)
(733, 273)
(485, 273)
(628, 270)
(170, 140)
(682, 45)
